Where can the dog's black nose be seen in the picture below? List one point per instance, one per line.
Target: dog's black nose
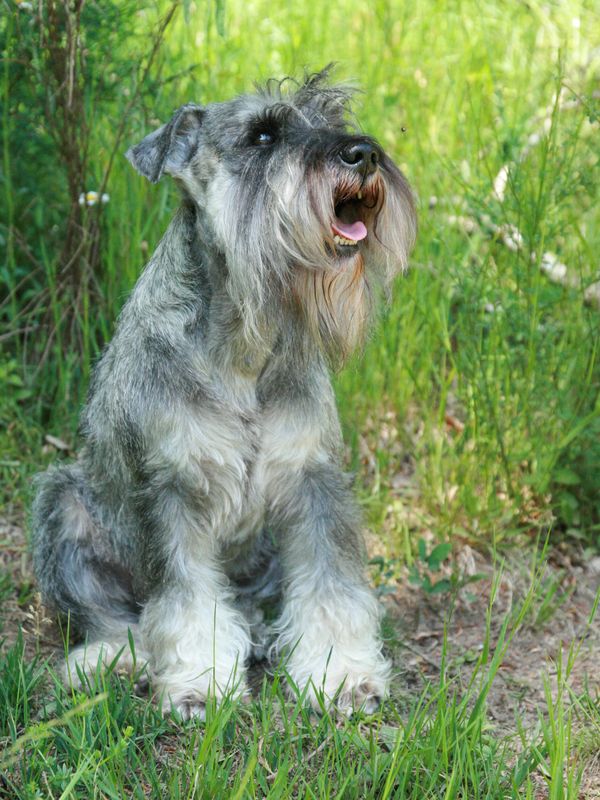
(362, 156)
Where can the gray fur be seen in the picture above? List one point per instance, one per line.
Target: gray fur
(210, 471)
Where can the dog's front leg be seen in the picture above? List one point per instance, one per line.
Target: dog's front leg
(329, 625)
(197, 642)
(196, 639)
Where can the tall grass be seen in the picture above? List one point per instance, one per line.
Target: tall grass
(476, 330)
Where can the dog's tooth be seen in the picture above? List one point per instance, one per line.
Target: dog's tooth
(342, 241)
(359, 195)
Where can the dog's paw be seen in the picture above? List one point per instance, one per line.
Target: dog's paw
(190, 702)
(87, 661)
(348, 694)
(192, 706)
(366, 698)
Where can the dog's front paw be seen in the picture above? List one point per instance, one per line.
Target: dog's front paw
(366, 696)
(86, 662)
(189, 706)
(189, 701)
(346, 691)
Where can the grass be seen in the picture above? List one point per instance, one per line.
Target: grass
(476, 327)
(438, 743)
(472, 416)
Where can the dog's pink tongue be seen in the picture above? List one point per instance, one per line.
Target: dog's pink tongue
(350, 230)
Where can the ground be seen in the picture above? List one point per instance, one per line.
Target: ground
(422, 629)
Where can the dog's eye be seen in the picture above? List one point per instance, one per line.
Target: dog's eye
(264, 138)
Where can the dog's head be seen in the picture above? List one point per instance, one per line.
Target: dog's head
(307, 211)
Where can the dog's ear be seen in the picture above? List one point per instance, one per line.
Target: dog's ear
(170, 148)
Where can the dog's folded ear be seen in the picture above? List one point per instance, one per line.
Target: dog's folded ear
(170, 148)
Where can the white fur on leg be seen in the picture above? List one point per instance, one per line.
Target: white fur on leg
(85, 659)
(198, 644)
(331, 638)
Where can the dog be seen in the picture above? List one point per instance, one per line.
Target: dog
(211, 476)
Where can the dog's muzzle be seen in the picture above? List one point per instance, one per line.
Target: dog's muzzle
(356, 198)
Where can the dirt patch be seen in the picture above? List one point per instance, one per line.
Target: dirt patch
(558, 619)
(20, 604)
(559, 624)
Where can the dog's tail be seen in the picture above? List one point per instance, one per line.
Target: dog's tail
(77, 571)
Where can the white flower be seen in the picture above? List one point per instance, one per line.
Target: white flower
(492, 308)
(555, 270)
(23, 6)
(91, 198)
(500, 183)
(511, 236)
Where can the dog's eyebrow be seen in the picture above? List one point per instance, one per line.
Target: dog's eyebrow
(316, 116)
(276, 114)
(282, 113)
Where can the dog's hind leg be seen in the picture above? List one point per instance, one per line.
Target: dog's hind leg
(80, 576)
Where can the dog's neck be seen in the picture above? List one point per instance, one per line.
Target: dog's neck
(187, 278)
(245, 338)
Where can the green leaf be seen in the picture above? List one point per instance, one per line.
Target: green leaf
(441, 586)
(439, 554)
(567, 477)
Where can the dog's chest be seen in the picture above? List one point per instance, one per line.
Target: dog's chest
(267, 426)
(259, 450)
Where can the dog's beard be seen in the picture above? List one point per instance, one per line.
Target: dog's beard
(336, 304)
(281, 247)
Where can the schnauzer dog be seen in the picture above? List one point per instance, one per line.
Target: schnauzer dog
(211, 477)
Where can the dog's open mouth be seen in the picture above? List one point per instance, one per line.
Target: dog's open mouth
(353, 213)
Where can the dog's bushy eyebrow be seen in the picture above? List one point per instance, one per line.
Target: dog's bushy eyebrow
(275, 115)
(326, 99)
(279, 115)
